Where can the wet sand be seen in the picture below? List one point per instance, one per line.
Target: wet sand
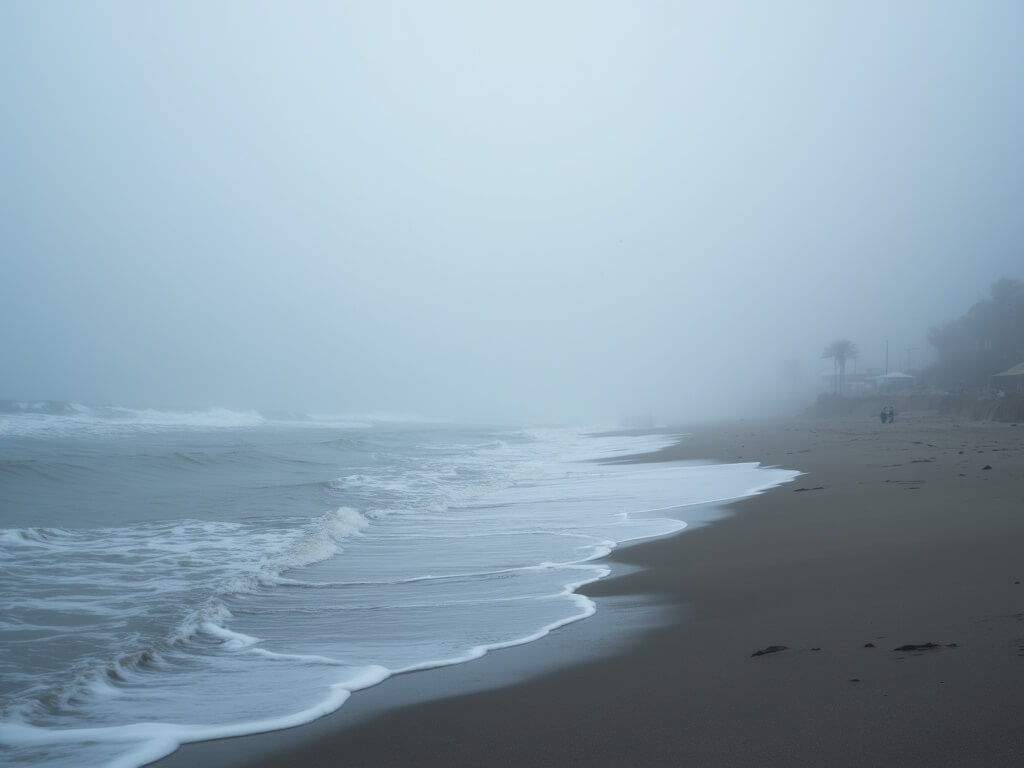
(895, 535)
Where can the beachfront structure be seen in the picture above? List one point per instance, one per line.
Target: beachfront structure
(870, 382)
(1011, 380)
(895, 380)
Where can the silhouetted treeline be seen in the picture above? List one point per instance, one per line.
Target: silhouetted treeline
(986, 340)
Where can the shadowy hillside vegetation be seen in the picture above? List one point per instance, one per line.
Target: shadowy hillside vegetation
(988, 339)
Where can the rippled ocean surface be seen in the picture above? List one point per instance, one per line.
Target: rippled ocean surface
(173, 577)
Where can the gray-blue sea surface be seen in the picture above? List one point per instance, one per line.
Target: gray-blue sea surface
(173, 577)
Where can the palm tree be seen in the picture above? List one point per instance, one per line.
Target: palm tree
(840, 351)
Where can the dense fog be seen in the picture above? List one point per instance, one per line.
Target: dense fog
(530, 211)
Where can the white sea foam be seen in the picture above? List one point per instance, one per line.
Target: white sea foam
(439, 547)
(232, 641)
(151, 741)
(76, 419)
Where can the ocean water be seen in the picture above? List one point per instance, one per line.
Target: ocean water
(175, 577)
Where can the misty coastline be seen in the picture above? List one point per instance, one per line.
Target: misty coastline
(360, 362)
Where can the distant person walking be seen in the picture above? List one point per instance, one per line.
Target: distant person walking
(884, 415)
(892, 414)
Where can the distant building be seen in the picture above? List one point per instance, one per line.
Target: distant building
(869, 382)
(895, 380)
(1011, 380)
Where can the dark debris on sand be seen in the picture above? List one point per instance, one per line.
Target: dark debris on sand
(769, 649)
(924, 646)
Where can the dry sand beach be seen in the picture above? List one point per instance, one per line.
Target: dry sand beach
(896, 535)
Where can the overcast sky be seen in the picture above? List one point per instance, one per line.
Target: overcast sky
(483, 210)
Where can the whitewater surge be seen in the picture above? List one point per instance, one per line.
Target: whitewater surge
(163, 573)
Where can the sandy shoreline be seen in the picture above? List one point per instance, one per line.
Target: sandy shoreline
(901, 537)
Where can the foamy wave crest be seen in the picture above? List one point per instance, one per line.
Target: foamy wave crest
(231, 559)
(136, 744)
(65, 419)
(33, 536)
(231, 641)
(319, 540)
(322, 538)
(214, 417)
